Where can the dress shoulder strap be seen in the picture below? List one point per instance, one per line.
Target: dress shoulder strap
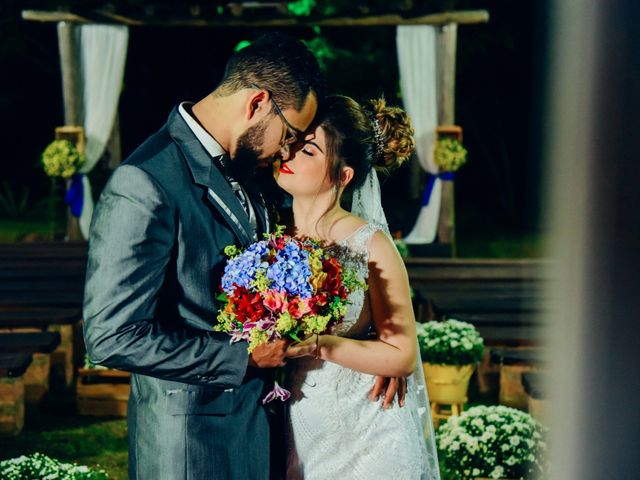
(360, 238)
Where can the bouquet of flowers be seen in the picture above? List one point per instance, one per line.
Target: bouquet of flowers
(493, 442)
(61, 159)
(281, 287)
(451, 342)
(449, 154)
(39, 466)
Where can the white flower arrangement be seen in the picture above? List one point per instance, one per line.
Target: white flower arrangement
(493, 442)
(451, 342)
(40, 467)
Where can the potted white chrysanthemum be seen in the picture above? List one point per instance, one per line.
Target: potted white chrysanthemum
(492, 442)
(38, 466)
(450, 353)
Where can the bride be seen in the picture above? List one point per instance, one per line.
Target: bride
(335, 431)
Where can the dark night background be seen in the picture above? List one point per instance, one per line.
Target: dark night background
(498, 96)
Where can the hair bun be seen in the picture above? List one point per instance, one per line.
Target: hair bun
(397, 134)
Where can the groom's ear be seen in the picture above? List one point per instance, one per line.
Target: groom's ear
(346, 176)
(258, 104)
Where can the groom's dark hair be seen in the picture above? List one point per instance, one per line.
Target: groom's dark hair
(278, 63)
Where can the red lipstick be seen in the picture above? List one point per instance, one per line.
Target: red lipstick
(284, 168)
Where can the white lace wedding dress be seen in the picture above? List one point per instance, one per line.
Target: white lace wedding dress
(335, 431)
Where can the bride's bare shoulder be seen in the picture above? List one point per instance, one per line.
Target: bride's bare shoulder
(346, 227)
(353, 223)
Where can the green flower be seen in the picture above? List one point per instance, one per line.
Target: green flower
(61, 159)
(315, 323)
(257, 338)
(449, 154)
(226, 321)
(231, 251)
(286, 323)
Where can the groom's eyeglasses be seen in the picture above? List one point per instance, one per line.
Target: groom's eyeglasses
(291, 134)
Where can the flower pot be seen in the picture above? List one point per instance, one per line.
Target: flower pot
(447, 384)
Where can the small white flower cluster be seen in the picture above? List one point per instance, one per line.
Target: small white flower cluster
(451, 342)
(494, 442)
(40, 467)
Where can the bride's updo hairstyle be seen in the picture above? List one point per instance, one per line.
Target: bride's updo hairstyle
(352, 140)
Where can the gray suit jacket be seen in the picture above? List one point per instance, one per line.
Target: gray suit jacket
(155, 260)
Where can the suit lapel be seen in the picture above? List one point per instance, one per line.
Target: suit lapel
(205, 173)
(260, 207)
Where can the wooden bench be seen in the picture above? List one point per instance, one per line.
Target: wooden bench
(12, 368)
(42, 342)
(514, 363)
(41, 289)
(504, 299)
(535, 386)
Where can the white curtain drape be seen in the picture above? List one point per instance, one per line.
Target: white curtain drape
(416, 46)
(103, 52)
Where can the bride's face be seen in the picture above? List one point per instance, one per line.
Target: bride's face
(307, 173)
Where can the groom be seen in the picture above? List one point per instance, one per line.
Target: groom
(156, 256)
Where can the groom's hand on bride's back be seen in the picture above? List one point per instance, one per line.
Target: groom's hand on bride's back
(389, 388)
(269, 355)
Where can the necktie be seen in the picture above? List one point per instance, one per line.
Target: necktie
(239, 192)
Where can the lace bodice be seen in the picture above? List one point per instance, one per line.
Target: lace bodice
(353, 252)
(335, 431)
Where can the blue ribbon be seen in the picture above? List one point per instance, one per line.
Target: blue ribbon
(444, 176)
(75, 195)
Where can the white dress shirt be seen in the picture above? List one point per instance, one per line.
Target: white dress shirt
(214, 149)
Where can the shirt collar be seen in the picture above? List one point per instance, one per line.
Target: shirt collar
(212, 147)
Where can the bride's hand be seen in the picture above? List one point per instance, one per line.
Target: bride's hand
(390, 387)
(309, 347)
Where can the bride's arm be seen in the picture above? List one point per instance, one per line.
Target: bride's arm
(394, 352)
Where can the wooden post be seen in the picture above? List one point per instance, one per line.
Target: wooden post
(72, 96)
(446, 39)
(113, 146)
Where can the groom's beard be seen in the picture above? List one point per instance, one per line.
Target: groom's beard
(246, 159)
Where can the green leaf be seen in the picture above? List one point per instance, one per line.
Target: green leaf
(223, 297)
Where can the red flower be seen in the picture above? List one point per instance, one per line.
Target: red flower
(318, 301)
(298, 307)
(333, 282)
(248, 306)
(343, 293)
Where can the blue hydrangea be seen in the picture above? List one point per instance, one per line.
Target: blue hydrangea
(241, 270)
(291, 272)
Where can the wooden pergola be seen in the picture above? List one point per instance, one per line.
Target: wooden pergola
(447, 32)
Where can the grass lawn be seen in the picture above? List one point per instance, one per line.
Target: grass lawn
(55, 430)
(14, 230)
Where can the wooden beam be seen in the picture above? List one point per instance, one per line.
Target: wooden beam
(103, 16)
(446, 42)
(72, 95)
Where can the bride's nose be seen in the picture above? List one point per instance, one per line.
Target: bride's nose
(285, 152)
